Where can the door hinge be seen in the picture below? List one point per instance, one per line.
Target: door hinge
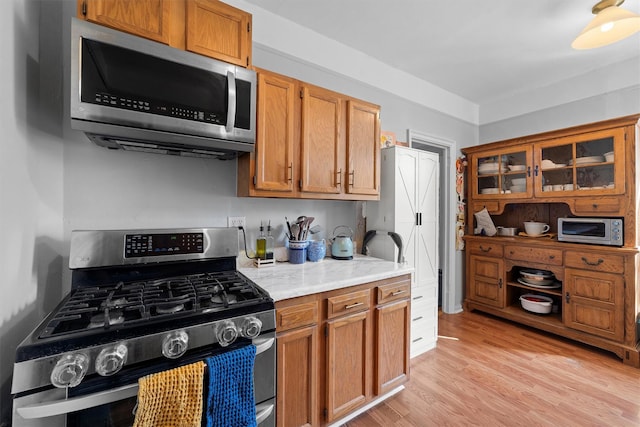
(326, 333)
(248, 27)
(84, 8)
(247, 61)
(300, 184)
(301, 93)
(255, 180)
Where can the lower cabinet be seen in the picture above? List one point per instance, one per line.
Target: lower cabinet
(298, 364)
(340, 350)
(348, 364)
(593, 295)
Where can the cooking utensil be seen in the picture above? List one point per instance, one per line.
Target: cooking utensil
(536, 303)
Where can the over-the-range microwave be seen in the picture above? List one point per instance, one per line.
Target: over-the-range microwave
(597, 231)
(135, 94)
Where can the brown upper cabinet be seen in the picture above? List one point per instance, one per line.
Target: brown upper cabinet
(206, 27)
(574, 166)
(311, 143)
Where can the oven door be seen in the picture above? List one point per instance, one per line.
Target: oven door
(115, 406)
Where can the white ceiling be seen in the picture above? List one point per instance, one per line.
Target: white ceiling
(479, 50)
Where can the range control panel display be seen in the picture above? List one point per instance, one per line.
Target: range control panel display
(146, 245)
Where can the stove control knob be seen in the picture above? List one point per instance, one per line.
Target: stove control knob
(175, 344)
(111, 360)
(251, 327)
(70, 370)
(226, 332)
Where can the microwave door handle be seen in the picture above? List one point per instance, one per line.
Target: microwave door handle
(65, 406)
(231, 107)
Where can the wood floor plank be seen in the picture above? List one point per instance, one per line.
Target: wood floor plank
(491, 372)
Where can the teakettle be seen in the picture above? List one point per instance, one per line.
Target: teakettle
(342, 245)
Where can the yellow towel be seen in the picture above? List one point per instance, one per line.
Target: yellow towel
(171, 398)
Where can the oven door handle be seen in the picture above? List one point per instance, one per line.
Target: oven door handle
(59, 407)
(263, 410)
(262, 344)
(65, 406)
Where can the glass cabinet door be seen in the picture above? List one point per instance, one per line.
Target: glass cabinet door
(503, 173)
(588, 163)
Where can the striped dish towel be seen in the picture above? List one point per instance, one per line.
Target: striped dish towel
(230, 399)
(171, 398)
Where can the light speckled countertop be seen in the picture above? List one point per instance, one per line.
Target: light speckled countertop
(285, 280)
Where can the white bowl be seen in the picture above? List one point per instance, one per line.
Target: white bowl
(536, 303)
(541, 282)
(518, 181)
(517, 168)
(518, 188)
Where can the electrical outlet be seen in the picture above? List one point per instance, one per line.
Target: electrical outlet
(235, 221)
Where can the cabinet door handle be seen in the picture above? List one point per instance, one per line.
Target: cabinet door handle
(339, 181)
(417, 318)
(500, 283)
(352, 174)
(398, 292)
(567, 297)
(586, 261)
(355, 304)
(417, 297)
(536, 171)
(291, 172)
(528, 170)
(420, 218)
(417, 218)
(417, 339)
(483, 249)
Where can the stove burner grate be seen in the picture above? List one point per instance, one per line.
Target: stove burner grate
(133, 303)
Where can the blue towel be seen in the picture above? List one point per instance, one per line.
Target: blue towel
(230, 400)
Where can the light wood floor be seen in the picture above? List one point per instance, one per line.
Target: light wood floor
(501, 374)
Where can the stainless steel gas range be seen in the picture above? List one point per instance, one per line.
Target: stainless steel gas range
(141, 302)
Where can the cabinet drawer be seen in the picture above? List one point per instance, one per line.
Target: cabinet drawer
(530, 254)
(393, 292)
(296, 316)
(485, 248)
(594, 261)
(598, 205)
(348, 303)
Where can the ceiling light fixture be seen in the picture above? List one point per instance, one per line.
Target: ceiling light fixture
(610, 25)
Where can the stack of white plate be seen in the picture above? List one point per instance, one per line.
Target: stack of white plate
(538, 278)
(489, 168)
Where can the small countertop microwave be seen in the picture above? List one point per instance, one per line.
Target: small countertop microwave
(135, 94)
(598, 231)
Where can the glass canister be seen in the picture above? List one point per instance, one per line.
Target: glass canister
(317, 250)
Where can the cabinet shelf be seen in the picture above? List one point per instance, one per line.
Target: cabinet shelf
(516, 312)
(556, 292)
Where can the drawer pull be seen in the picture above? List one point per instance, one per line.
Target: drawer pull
(398, 292)
(417, 297)
(417, 339)
(552, 256)
(586, 261)
(417, 318)
(483, 249)
(355, 304)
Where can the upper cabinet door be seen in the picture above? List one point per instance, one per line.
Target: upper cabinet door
(275, 164)
(321, 141)
(146, 18)
(220, 31)
(363, 148)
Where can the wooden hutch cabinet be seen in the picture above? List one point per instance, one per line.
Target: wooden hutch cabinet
(207, 27)
(341, 350)
(311, 143)
(584, 171)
